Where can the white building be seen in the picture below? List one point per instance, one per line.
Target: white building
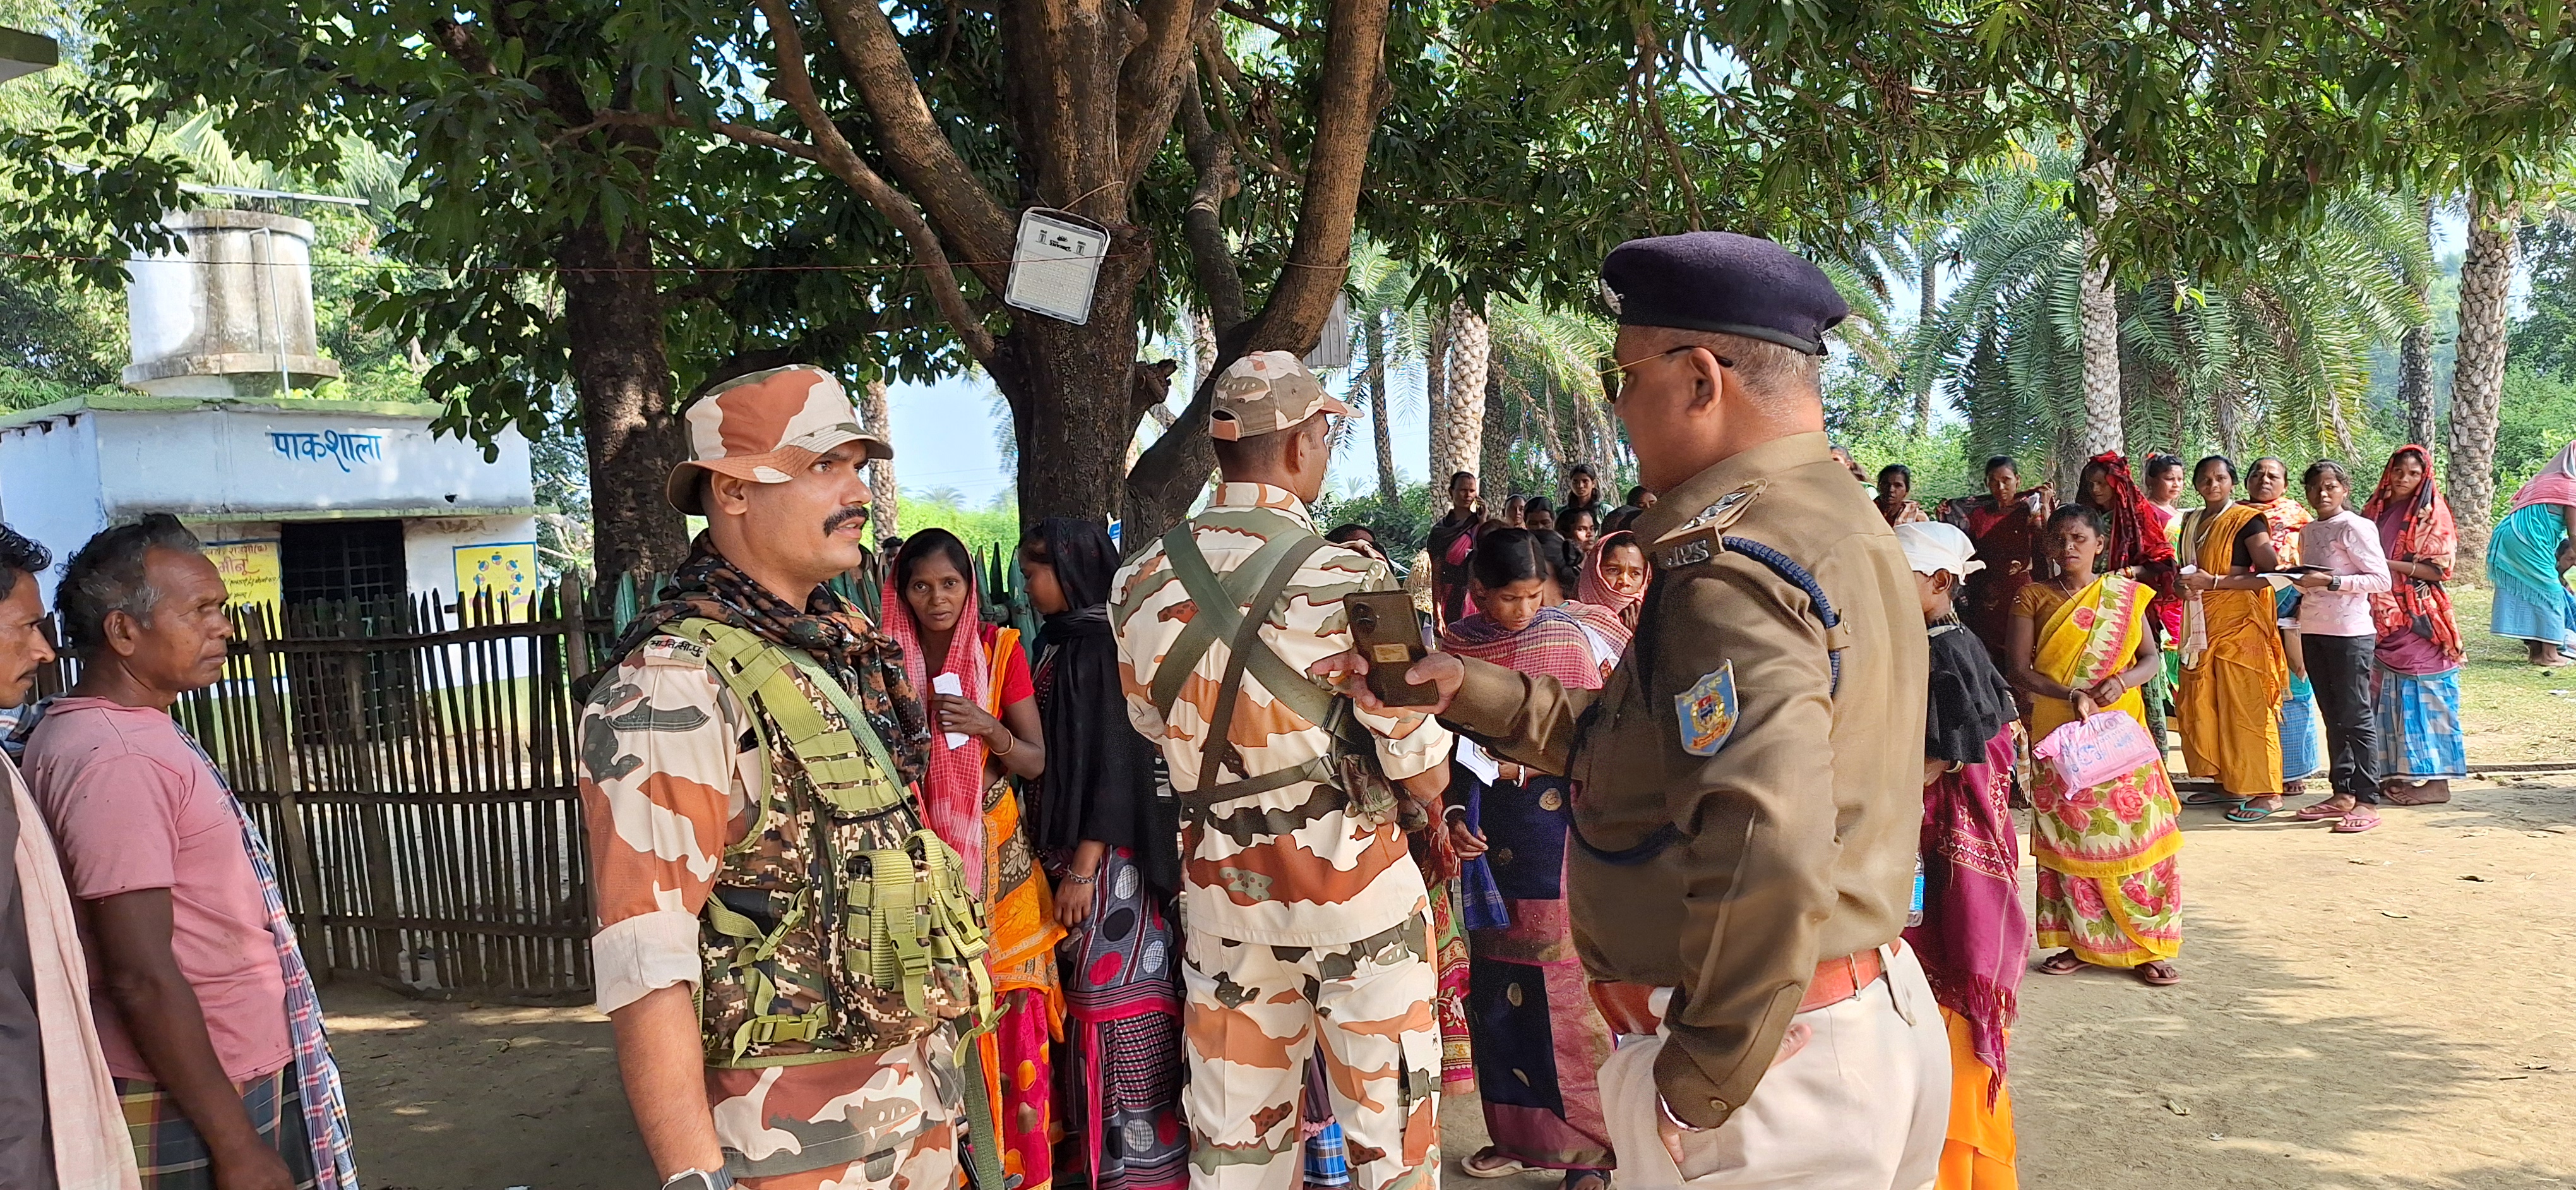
(299, 500)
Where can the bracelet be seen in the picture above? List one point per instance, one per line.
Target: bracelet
(1007, 748)
(1072, 877)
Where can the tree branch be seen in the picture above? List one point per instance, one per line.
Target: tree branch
(919, 153)
(796, 88)
(1650, 49)
(1347, 101)
(1149, 86)
(459, 43)
(1203, 226)
(1263, 19)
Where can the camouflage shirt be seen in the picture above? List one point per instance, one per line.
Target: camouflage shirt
(1330, 876)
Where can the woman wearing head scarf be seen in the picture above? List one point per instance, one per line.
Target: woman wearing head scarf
(986, 733)
(2527, 560)
(1974, 938)
(1528, 1001)
(1606, 598)
(1109, 829)
(2136, 548)
(2418, 700)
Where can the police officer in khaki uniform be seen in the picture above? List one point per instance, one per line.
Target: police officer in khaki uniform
(1752, 784)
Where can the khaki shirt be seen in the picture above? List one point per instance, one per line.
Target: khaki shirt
(1795, 837)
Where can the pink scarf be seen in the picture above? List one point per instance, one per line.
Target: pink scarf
(91, 1148)
(952, 790)
(2556, 483)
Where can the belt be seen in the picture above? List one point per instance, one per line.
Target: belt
(1629, 1008)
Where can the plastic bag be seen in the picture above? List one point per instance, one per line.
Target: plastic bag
(2089, 752)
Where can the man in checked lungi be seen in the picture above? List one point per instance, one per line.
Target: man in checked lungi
(205, 1012)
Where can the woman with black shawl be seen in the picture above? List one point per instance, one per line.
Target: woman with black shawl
(1109, 830)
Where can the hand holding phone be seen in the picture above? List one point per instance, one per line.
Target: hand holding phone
(1384, 630)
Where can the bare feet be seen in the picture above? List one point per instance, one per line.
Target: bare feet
(2402, 793)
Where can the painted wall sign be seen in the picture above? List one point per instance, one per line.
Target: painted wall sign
(347, 448)
(252, 573)
(506, 569)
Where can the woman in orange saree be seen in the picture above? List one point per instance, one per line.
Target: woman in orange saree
(2234, 672)
(2108, 890)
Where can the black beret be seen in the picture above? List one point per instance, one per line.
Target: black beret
(1723, 282)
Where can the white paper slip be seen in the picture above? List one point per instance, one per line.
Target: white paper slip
(948, 684)
(1478, 761)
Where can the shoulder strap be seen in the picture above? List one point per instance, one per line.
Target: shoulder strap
(849, 762)
(1218, 605)
(1217, 751)
(1836, 640)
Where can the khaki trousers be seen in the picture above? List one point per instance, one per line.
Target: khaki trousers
(1864, 1106)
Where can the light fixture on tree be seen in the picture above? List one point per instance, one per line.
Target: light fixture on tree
(1333, 350)
(1055, 264)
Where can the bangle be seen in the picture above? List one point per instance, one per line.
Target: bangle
(1073, 877)
(1012, 742)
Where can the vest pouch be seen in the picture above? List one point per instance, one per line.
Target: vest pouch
(753, 976)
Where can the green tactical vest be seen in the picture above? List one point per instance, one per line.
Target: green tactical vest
(839, 925)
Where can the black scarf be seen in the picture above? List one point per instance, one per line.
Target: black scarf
(1099, 782)
(860, 658)
(1970, 700)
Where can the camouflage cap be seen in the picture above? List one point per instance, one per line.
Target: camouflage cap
(766, 427)
(1264, 393)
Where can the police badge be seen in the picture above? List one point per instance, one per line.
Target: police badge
(1707, 711)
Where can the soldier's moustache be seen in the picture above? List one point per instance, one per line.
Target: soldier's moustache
(833, 523)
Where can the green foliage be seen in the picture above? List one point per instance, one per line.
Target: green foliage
(2537, 419)
(982, 529)
(1401, 529)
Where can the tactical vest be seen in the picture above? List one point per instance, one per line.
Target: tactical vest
(839, 925)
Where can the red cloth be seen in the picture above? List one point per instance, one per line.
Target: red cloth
(2413, 604)
(2137, 536)
(952, 790)
(1552, 644)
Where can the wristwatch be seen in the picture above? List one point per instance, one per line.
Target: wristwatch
(698, 1179)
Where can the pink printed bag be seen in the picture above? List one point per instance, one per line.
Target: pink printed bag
(2089, 752)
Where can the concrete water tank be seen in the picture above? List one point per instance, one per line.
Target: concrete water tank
(232, 316)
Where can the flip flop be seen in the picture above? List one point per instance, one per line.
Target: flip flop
(2063, 962)
(1495, 1165)
(2245, 812)
(2357, 821)
(2153, 980)
(2210, 797)
(2325, 811)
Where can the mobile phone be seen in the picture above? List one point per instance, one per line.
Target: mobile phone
(1384, 629)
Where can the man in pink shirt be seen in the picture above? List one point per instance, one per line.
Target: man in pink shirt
(205, 1013)
(2340, 641)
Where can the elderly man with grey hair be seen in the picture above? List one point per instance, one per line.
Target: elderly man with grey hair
(206, 1012)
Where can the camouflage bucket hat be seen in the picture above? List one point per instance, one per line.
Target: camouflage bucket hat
(766, 427)
(1264, 393)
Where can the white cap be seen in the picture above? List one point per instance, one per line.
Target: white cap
(1934, 546)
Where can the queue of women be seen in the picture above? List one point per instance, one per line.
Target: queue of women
(2288, 640)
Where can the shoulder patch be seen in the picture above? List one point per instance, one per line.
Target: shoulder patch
(666, 649)
(1707, 711)
(1703, 537)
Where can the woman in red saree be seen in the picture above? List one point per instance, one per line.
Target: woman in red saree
(987, 733)
(2004, 524)
(2108, 890)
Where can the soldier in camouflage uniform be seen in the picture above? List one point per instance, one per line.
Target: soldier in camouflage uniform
(1303, 911)
(784, 950)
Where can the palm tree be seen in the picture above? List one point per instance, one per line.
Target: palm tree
(2477, 375)
(1458, 406)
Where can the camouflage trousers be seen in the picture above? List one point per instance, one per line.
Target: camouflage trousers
(1257, 1013)
(869, 1122)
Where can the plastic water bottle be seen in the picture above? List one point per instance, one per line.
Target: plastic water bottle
(1915, 917)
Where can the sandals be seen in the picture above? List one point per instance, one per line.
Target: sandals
(1489, 1162)
(2158, 974)
(2209, 797)
(2245, 812)
(2360, 819)
(2063, 962)
(2324, 811)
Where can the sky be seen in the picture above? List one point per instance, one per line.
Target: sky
(944, 437)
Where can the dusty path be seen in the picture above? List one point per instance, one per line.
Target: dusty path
(2393, 1011)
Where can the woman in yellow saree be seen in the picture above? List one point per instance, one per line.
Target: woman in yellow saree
(2235, 674)
(2108, 892)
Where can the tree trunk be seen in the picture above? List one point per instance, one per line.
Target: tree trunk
(2477, 377)
(876, 413)
(1202, 348)
(1384, 437)
(2102, 429)
(1435, 391)
(2415, 356)
(1074, 405)
(613, 322)
(1459, 419)
(1503, 423)
(1928, 307)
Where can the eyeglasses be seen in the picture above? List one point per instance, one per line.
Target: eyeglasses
(1623, 371)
